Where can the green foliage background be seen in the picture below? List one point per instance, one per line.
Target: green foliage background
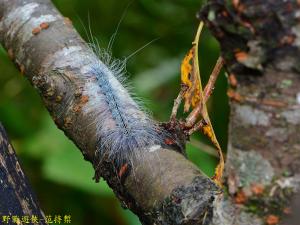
(60, 177)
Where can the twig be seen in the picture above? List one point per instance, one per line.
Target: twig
(212, 79)
(192, 118)
(196, 127)
(176, 105)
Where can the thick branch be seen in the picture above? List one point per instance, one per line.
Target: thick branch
(259, 41)
(163, 188)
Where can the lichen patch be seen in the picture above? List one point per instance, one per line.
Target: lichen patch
(251, 116)
(292, 116)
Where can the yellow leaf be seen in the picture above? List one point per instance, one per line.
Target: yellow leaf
(209, 132)
(190, 76)
(193, 95)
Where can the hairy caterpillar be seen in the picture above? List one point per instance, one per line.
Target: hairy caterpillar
(124, 129)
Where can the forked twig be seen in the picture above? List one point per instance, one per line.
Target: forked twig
(194, 96)
(196, 127)
(176, 105)
(192, 117)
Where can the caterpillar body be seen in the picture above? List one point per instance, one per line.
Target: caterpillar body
(124, 130)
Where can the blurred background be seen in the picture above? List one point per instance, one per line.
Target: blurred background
(60, 177)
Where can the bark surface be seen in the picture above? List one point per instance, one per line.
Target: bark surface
(260, 42)
(18, 202)
(167, 189)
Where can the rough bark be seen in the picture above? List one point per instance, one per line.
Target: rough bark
(260, 42)
(17, 200)
(167, 189)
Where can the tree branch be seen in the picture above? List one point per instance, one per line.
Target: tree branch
(16, 196)
(164, 188)
(259, 42)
